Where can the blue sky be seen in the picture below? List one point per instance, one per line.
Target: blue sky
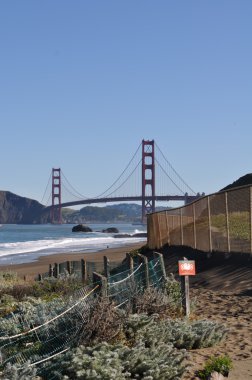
(83, 82)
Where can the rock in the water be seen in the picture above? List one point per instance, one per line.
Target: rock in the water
(137, 235)
(111, 230)
(81, 228)
(140, 234)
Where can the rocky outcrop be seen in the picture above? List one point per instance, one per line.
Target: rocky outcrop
(81, 228)
(21, 210)
(111, 230)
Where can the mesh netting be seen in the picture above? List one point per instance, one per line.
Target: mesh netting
(38, 332)
(218, 222)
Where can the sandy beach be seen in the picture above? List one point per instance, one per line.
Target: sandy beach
(42, 264)
(221, 291)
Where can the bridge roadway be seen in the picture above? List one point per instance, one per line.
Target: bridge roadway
(186, 198)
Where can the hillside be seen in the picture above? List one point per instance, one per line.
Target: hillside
(109, 214)
(20, 210)
(242, 181)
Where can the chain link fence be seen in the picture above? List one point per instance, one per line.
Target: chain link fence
(217, 222)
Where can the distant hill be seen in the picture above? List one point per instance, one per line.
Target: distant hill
(20, 210)
(123, 212)
(242, 181)
(15, 209)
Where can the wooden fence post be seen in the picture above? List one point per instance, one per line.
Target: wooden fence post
(250, 211)
(69, 269)
(130, 262)
(227, 221)
(161, 260)
(194, 228)
(167, 227)
(83, 271)
(102, 282)
(50, 270)
(56, 270)
(144, 260)
(209, 224)
(181, 228)
(106, 267)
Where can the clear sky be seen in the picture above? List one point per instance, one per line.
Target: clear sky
(83, 82)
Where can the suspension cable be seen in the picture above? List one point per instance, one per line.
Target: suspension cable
(169, 177)
(71, 193)
(125, 180)
(49, 197)
(50, 177)
(174, 170)
(100, 195)
(77, 192)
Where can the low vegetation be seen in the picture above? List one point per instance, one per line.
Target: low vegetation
(220, 364)
(148, 339)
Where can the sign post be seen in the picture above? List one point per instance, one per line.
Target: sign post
(186, 269)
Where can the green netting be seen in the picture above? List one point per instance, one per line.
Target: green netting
(52, 327)
(63, 268)
(156, 275)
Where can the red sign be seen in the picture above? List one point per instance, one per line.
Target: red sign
(186, 267)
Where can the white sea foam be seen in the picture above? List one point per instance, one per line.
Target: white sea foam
(30, 250)
(25, 243)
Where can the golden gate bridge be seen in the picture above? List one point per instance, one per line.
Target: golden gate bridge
(138, 182)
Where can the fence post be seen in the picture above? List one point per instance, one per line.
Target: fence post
(181, 227)
(161, 260)
(227, 222)
(103, 284)
(130, 262)
(56, 270)
(83, 271)
(50, 270)
(167, 227)
(106, 267)
(209, 224)
(159, 230)
(250, 207)
(146, 269)
(194, 228)
(69, 267)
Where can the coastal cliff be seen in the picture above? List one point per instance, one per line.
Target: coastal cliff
(20, 210)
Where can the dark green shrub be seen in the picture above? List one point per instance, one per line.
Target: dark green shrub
(220, 364)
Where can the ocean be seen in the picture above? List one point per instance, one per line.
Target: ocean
(25, 243)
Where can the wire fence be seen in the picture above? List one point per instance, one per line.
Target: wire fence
(218, 222)
(81, 269)
(41, 331)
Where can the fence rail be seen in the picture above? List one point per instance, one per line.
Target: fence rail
(217, 222)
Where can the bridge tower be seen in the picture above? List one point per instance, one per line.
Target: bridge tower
(148, 178)
(56, 216)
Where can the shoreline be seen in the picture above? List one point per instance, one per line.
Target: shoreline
(41, 264)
